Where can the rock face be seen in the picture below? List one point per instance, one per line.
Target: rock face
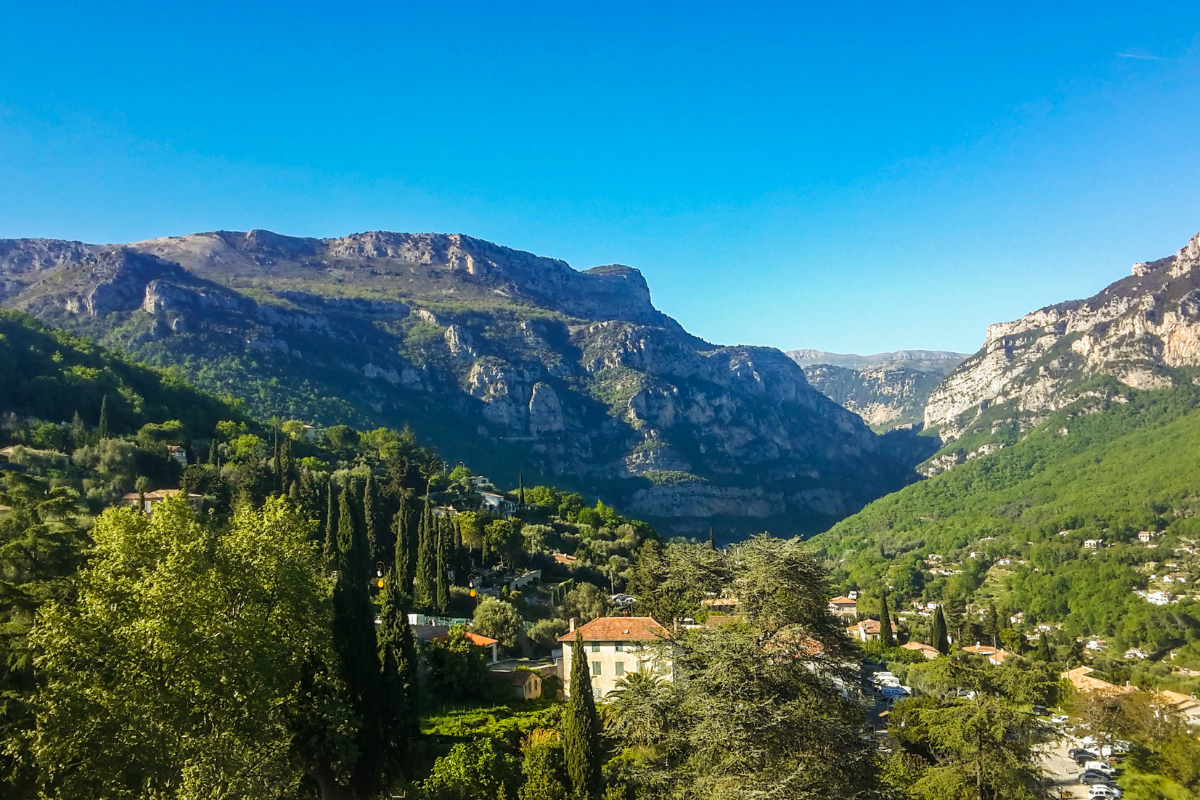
(1136, 331)
(504, 359)
(887, 390)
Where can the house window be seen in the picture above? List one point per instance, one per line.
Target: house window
(617, 647)
(596, 648)
(596, 669)
(620, 667)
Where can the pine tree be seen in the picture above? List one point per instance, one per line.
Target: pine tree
(938, 637)
(885, 623)
(370, 512)
(78, 430)
(581, 726)
(397, 658)
(356, 644)
(423, 593)
(443, 590)
(102, 423)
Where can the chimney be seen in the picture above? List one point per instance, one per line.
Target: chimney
(572, 625)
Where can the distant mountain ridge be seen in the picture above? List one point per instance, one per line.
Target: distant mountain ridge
(505, 359)
(887, 390)
(1142, 331)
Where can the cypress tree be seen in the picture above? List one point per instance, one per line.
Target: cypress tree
(212, 452)
(521, 489)
(443, 590)
(397, 658)
(939, 637)
(581, 726)
(402, 564)
(1043, 652)
(370, 511)
(885, 622)
(712, 541)
(423, 594)
(331, 523)
(355, 641)
(102, 423)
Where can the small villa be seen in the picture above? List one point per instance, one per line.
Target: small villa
(843, 606)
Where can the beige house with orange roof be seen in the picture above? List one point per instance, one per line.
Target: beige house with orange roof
(843, 606)
(928, 651)
(1081, 679)
(616, 647)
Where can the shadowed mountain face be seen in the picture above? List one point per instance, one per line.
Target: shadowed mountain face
(888, 390)
(1142, 331)
(506, 360)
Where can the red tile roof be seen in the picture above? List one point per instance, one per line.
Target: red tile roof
(619, 629)
(842, 600)
(473, 638)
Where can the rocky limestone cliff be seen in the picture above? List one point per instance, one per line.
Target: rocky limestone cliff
(504, 359)
(1136, 331)
(887, 390)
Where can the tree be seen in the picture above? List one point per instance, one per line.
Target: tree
(500, 621)
(370, 504)
(426, 586)
(470, 771)
(886, 637)
(585, 602)
(502, 537)
(581, 726)
(102, 422)
(939, 637)
(638, 708)
(443, 586)
(457, 668)
(1042, 652)
(397, 659)
(402, 558)
(542, 767)
(331, 523)
(211, 632)
(355, 642)
(985, 746)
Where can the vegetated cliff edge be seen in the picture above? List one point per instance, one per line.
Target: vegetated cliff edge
(888, 390)
(504, 359)
(1136, 331)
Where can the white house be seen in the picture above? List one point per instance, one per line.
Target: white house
(498, 503)
(615, 647)
(178, 453)
(1134, 652)
(1159, 598)
(1093, 544)
(1145, 537)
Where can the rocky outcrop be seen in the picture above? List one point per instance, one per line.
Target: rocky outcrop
(1136, 331)
(509, 361)
(887, 390)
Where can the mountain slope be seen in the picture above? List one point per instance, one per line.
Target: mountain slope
(505, 359)
(1109, 465)
(887, 390)
(1136, 330)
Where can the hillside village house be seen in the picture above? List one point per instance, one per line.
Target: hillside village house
(498, 503)
(995, 655)
(1093, 544)
(843, 606)
(1185, 704)
(153, 499)
(178, 453)
(1145, 537)
(1081, 679)
(867, 630)
(924, 649)
(615, 647)
(720, 605)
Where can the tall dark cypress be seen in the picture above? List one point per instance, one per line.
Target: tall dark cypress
(102, 423)
(885, 622)
(423, 593)
(331, 521)
(356, 644)
(581, 726)
(941, 638)
(402, 565)
(397, 658)
(370, 505)
(521, 489)
(443, 589)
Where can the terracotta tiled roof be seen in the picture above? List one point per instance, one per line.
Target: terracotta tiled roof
(619, 629)
(981, 649)
(473, 638)
(842, 600)
(870, 627)
(924, 649)
(1084, 682)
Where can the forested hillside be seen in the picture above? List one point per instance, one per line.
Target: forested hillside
(1009, 529)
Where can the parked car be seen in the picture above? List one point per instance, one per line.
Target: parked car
(1079, 754)
(1059, 719)
(895, 691)
(1091, 776)
(1099, 766)
(1040, 711)
(1103, 791)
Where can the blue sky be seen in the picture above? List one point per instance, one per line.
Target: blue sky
(844, 176)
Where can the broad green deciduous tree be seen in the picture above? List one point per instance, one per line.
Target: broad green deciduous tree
(178, 671)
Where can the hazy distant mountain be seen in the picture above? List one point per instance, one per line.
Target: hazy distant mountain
(885, 389)
(1142, 331)
(505, 359)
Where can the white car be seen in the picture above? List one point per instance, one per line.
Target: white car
(1102, 791)
(1099, 766)
(1059, 719)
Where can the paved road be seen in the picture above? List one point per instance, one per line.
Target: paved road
(1061, 769)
